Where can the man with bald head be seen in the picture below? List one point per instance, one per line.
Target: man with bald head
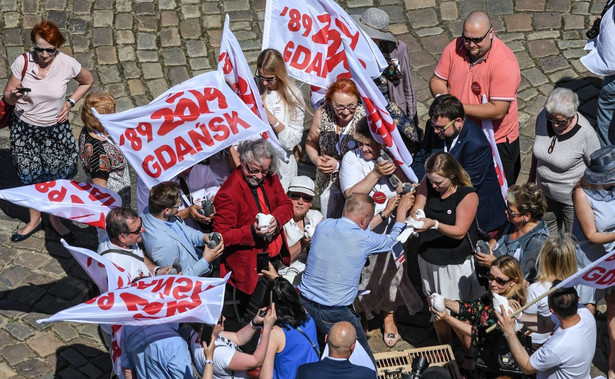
(338, 251)
(341, 341)
(479, 64)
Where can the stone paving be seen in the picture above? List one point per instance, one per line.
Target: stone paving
(138, 49)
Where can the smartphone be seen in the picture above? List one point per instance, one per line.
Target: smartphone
(24, 90)
(206, 331)
(262, 261)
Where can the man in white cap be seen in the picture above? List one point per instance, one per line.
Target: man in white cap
(479, 64)
(300, 228)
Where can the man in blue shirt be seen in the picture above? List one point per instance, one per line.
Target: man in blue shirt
(338, 251)
(167, 237)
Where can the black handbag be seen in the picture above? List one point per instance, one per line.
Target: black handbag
(497, 358)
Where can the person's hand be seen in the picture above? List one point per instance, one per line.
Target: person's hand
(164, 270)
(505, 321)
(384, 168)
(391, 204)
(428, 223)
(18, 95)
(444, 315)
(326, 164)
(270, 317)
(484, 259)
(269, 230)
(196, 216)
(211, 254)
(406, 201)
(64, 112)
(270, 272)
(208, 349)
(259, 318)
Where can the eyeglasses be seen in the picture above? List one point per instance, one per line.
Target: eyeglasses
(366, 144)
(296, 196)
(40, 50)
(442, 129)
(476, 40)
(513, 214)
(254, 171)
(350, 107)
(269, 79)
(139, 228)
(559, 122)
(176, 206)
(499, 281)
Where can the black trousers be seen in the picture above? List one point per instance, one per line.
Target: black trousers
(510, 155)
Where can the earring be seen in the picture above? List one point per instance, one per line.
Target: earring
(524, 221)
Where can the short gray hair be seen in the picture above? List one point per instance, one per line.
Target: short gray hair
(562, 101)
(256, 150)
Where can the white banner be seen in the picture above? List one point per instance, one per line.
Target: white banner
(600, 274)
(153, 300)
(487, 126)
(186, 124)
(77, 201)
(237, 73)
(309, 35)
(381, 124)
(104, 273)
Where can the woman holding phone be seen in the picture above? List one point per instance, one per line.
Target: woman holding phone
(42, 142)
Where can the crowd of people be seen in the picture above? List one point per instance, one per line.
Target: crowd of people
(310, 260)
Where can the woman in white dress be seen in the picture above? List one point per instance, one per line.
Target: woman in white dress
(285, 108)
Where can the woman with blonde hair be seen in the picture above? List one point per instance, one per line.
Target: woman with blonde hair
(448, 234)
(285, 108)
(473, 318)
(102, 161)
(557, 261)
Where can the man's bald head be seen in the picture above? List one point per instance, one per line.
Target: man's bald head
(477, 18)
(359, 207)
(341, 339)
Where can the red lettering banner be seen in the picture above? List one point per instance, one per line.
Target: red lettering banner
(183, 126)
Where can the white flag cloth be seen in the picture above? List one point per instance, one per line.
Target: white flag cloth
(186, 124)
(487, 126)
(104, 273)
(237, 73)
(380, 121)
(77, 201)
(309, 35)
(153, 300)
(116, 350)
(600, 274)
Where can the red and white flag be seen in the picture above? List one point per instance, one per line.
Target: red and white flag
(309, 34)
(380, 121)
(186, 124)
(487, 126)
(104, 273)
(237, 73)
(77, 201)
(600, 274)
(153, 300)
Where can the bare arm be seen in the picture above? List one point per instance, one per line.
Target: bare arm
(388, 211)
(585, 215)
(243, 361)
(85, 80)
(276, 344)
(311, 143)
(367, 184)
(438, 86)
(421, 197)
(492, 110)
(465, 214)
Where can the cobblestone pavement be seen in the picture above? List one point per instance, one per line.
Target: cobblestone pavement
(138, 49)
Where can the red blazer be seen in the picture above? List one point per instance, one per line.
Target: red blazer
(236, 211)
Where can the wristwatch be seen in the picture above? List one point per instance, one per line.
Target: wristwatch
(72, 102)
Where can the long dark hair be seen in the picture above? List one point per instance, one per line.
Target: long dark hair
(289, 310)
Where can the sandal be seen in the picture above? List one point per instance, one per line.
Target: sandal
(390, 339)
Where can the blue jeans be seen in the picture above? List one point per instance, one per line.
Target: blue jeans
(606, 108)
(325, 317)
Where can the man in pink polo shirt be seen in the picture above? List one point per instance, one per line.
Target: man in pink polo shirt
(476, 64)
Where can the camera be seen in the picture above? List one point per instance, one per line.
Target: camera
(214, 240)
(393, 179)
(419, 364)
(594, 30)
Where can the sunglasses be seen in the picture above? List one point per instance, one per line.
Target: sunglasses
(297, 196)
(559, 122)
(511, 213)
(499, 281)
(139, 228)
(442, 129)
(269, 79)
(40, 50)
(476, 40)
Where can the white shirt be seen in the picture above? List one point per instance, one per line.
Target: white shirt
(601, 58)
(569, 352)
(293, 235)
